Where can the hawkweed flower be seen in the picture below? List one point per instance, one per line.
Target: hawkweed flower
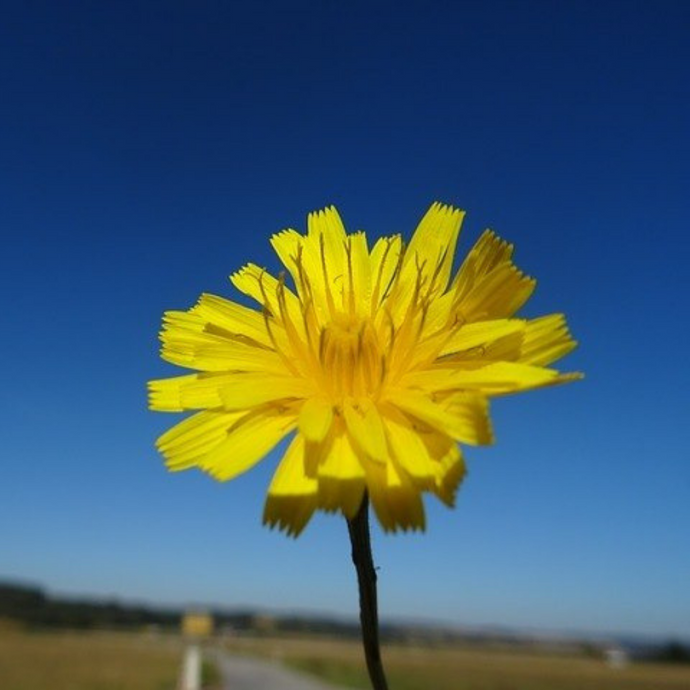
(372, 358)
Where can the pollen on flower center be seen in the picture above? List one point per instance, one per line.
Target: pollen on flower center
(352, 364)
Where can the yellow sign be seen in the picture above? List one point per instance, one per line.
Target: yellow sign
(195, 624)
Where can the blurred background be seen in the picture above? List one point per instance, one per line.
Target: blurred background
(150, 149)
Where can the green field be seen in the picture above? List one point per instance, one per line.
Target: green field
(118, 661)
(87, 661)
(462, 668)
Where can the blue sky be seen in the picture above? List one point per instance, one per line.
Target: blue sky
(150, 149)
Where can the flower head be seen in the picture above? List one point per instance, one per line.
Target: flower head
(376, 362)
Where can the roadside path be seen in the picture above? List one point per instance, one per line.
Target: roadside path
(244, 673)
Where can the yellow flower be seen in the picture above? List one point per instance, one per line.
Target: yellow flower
(377, 360)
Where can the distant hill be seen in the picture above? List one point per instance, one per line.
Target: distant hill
(33, 608)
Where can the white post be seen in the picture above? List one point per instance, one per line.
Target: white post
(191, 669)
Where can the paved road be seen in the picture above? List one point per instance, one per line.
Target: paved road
(242, 673)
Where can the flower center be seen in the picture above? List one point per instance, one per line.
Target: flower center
(352, 364)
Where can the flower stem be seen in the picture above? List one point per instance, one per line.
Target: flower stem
(358, 528)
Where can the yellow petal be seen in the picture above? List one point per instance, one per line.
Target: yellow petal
(499, 294)
(164, 394)
(244, 390)
(327, 225)
(357, 297)
(426, 264)
(288, 245)
(462, 416)
(188, 442)
(433, 246)
(302, 256)
(484, 340)
(315, 418)
(471, 413)
(366, 428)
(290, 478)
(422, 408)
(396, 501)
(408, 447)
(186, 341)
(235, 319)
(546, 340)
(488, 252)
(385, 259)
(440, 316)
(292, 495)
(325, 252)
(481, 334)
(341, 477)
(513, 377)
(264, 288)
(317, 262)
(450, 473)
(247, 441)
(191, 392)
(493, 379)
(488, 285)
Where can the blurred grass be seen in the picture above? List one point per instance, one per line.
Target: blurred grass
(210, 674)
(462, 668)
(87, 661)
(116, 661)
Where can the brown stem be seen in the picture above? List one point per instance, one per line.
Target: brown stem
(366, 578)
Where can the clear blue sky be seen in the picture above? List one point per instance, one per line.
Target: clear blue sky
(149, 149)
